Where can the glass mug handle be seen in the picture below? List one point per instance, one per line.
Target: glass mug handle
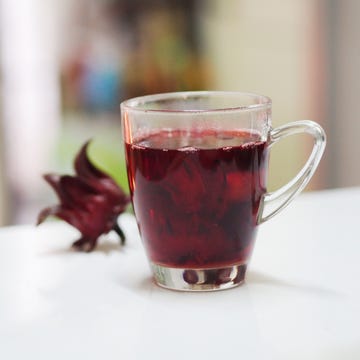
(274, 202)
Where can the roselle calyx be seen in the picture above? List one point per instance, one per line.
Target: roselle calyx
(91, 201)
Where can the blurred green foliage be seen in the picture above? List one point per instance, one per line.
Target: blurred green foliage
(106, 151)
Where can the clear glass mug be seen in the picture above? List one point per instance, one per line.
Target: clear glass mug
(197, 165)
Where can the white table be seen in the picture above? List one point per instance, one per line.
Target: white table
(301, 299)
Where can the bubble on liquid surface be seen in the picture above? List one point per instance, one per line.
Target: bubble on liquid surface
(187, 149)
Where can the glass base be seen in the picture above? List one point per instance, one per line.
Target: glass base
(199, 279)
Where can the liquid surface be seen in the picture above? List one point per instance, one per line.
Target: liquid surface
(192, 140)
(196, 195)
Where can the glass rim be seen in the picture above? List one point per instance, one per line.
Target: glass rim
(138, 103)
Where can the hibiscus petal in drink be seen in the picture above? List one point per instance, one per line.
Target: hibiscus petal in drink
(198, 248)
(214, 202)
(186, 186)
(239, 185)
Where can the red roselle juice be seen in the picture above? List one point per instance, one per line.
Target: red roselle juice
(196, 195)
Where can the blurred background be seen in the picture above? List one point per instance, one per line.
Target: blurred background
(66, 65)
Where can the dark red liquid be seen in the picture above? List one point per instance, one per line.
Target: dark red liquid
(196, 195)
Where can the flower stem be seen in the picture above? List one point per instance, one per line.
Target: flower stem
(119, 231)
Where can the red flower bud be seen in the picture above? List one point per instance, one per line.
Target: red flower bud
(91, 201)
